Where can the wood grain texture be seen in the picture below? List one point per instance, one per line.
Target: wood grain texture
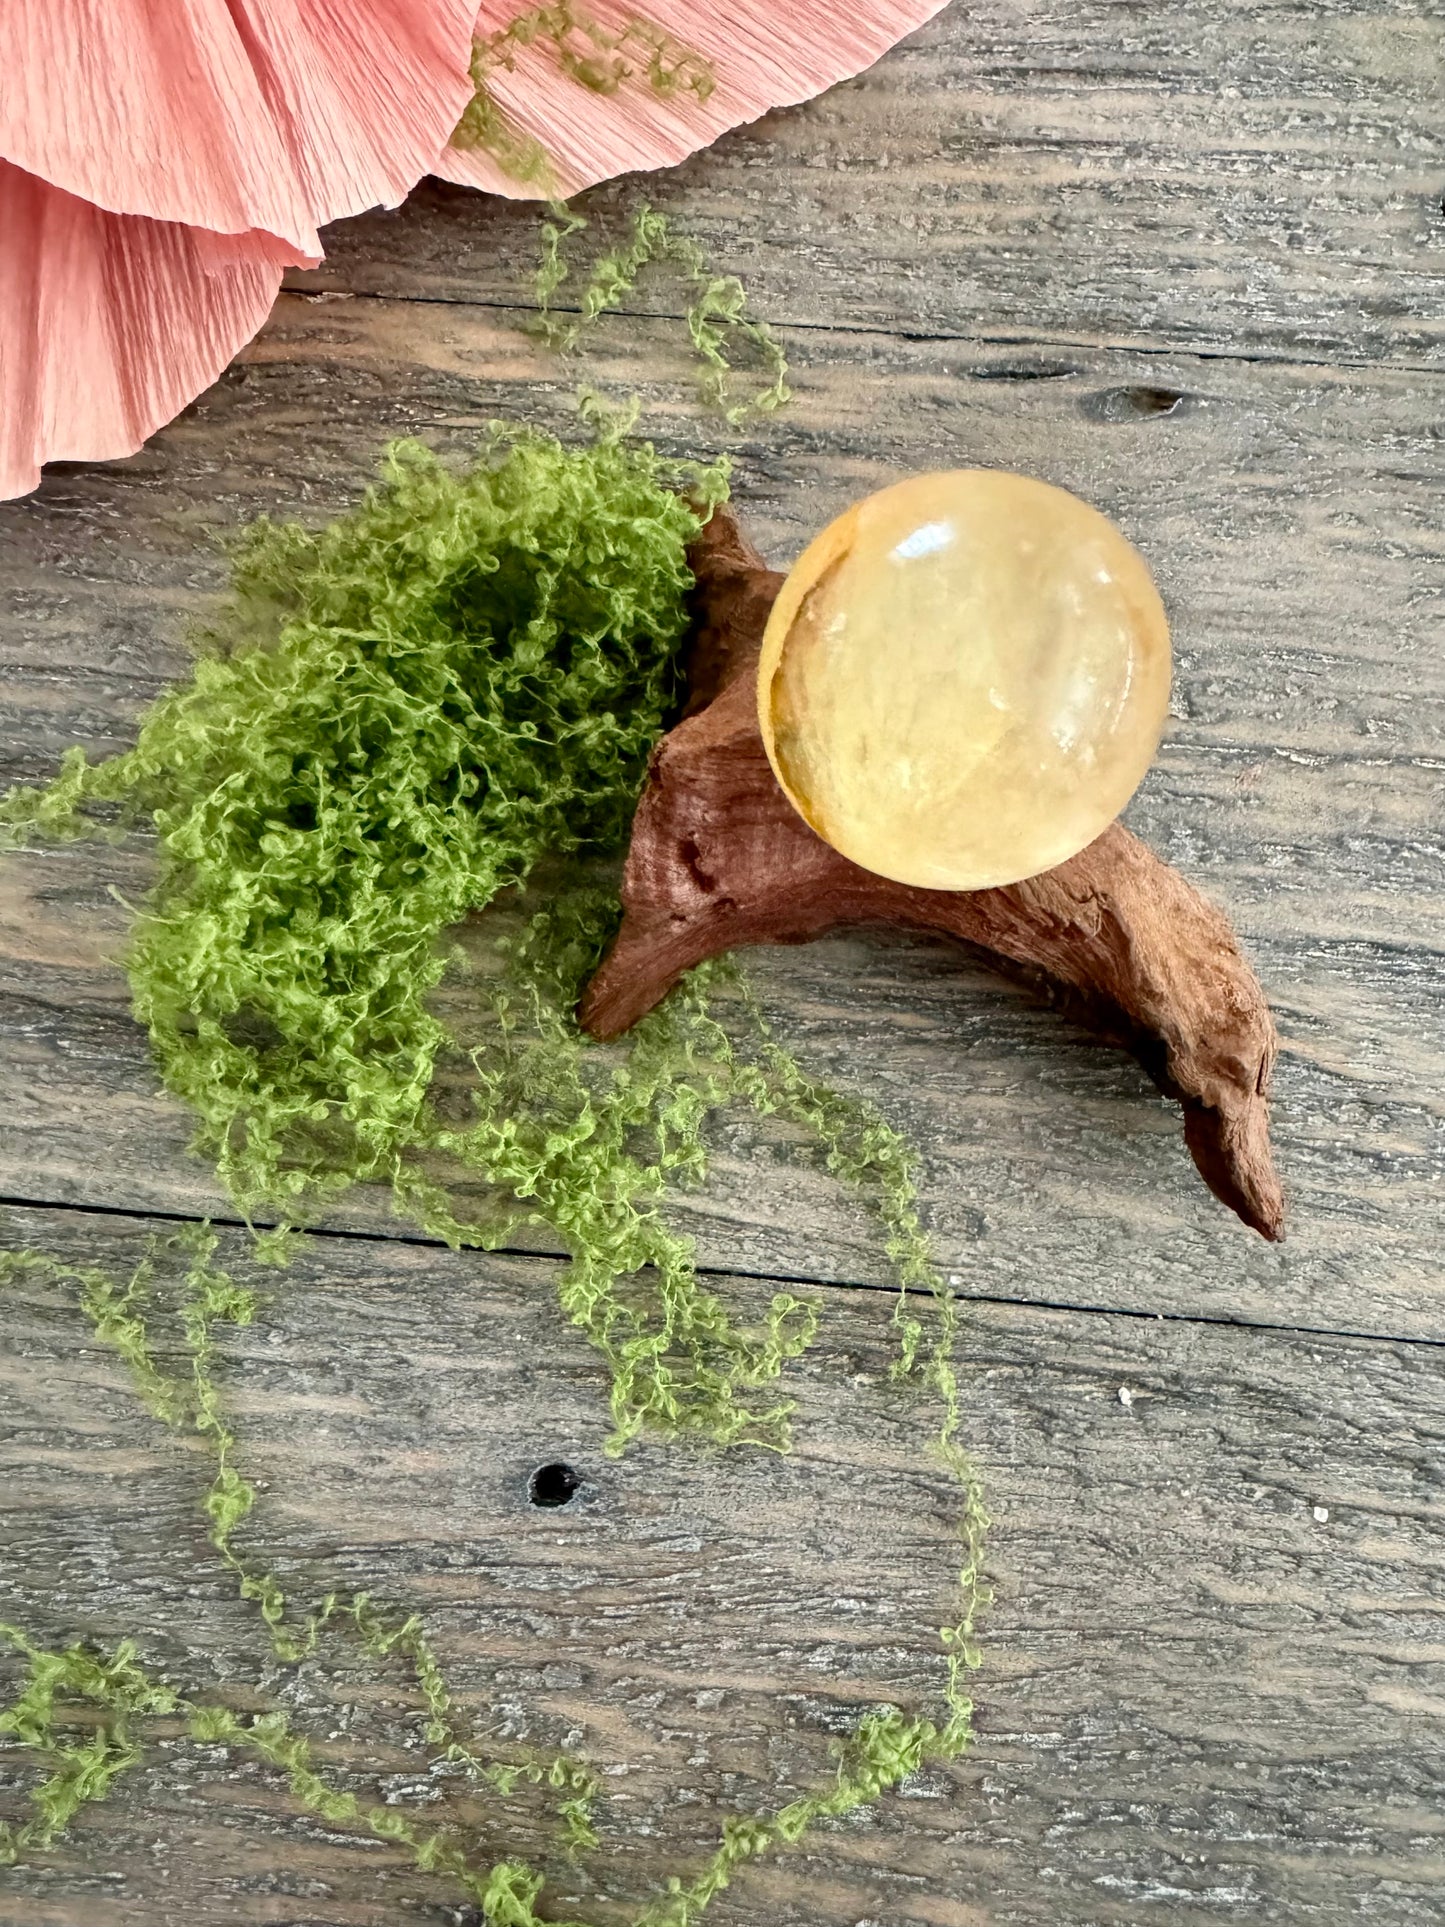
(1288, 513)
(1260, 179)
(1199, 1694)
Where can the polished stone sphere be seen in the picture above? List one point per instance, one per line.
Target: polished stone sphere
(964, 679)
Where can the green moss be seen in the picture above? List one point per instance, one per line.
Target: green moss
(717, 305)
(109, 1697)
(395, 724)
(393, 720)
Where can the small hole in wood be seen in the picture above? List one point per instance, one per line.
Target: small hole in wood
(553, 1484)
(1153, 401)
(1129, 404)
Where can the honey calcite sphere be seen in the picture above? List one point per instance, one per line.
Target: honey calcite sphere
(964, 679)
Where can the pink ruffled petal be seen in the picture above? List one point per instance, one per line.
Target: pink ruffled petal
(233, 114)
(763, 54)
(111, 323)
(361, 88)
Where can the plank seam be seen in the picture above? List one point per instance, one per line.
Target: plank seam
(414, 1240)
(1097, 344)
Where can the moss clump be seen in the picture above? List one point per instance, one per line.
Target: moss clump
(393, 719)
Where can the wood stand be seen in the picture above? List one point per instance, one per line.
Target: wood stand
(720, 858)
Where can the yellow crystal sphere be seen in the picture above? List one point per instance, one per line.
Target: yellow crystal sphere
(964, 679)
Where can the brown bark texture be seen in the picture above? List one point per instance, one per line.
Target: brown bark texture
(719, 858)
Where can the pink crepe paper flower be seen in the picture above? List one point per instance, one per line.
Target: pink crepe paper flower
(162, 162)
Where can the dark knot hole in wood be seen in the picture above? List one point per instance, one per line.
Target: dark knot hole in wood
(553, 1484)
(1153, 401)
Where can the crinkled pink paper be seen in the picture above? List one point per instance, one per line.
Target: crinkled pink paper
(163, 161)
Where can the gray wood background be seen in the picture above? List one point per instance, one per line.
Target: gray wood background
(1186, 260)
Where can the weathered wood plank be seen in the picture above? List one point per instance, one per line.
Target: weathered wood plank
(1287, 512)
(1240, 179)
(1200, 1696)
(1199, 1693)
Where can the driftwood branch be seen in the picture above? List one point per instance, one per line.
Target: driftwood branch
(720, 858)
